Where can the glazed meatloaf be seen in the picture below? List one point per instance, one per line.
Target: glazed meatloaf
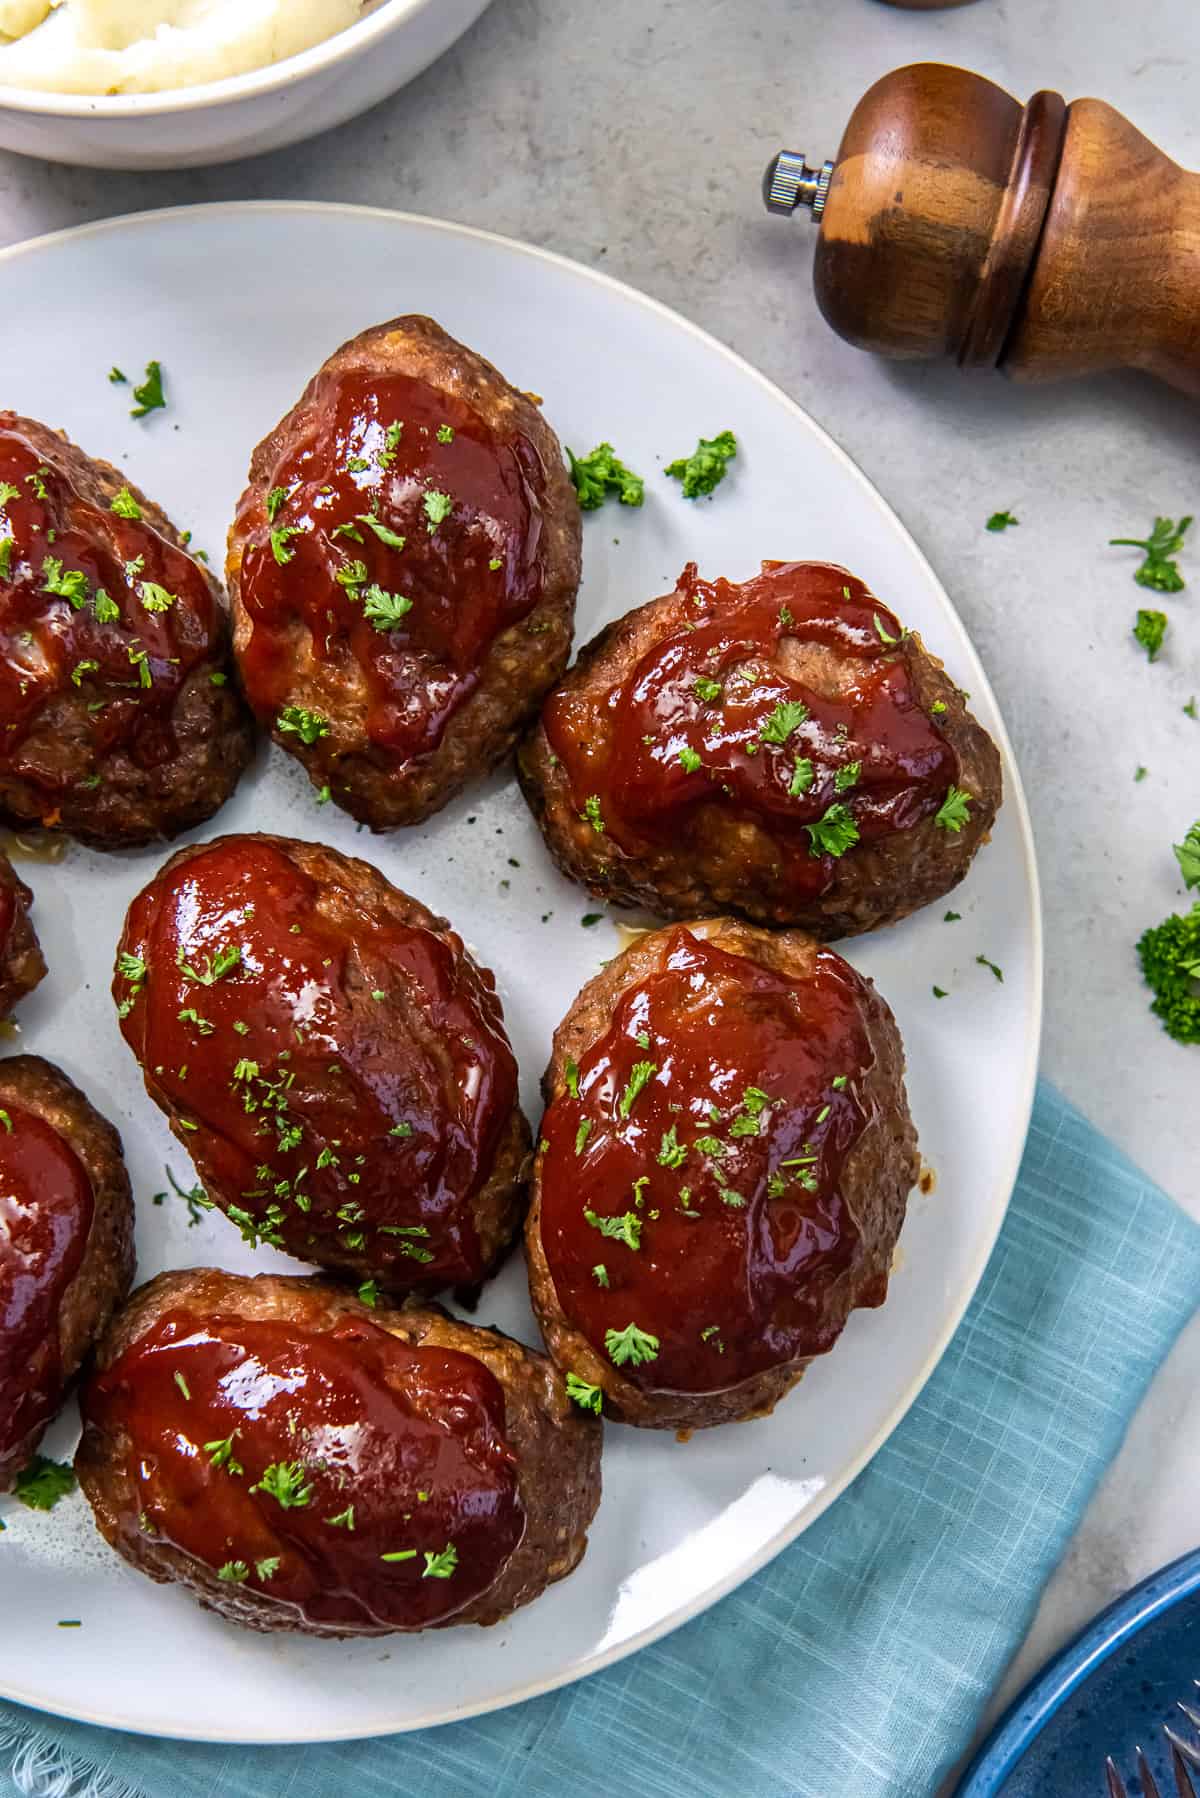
(299, 1461)
(332, 1059)
(66, 1245)
(781, 748)
(403, 567)
(120, 722)
(22, 963)
(726, 1157)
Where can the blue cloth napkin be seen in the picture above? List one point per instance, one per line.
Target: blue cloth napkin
(857, 1663)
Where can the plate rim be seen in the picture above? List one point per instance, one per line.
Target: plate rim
(1014, 799)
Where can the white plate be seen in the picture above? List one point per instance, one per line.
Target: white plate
(241, 304)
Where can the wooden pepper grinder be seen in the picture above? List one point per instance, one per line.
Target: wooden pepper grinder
(1045, 240)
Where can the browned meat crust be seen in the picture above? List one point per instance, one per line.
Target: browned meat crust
(878, 1175)
(105, 1274)
(22, 964)
(557, 1446)
(524, 660)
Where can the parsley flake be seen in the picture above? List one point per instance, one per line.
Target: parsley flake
(438, 507)
(284, 1481)
(600, 473)
(149, 396)
(706, 467)
(833, 833)
(955, 810)
(788, 716)
(630, 1345)
(1159, 570)
(440, 1566)
(124, 505)
(626, 1229)
(385, 610)
(592, 814)
(588, 1398)
(1149, 629)
(689, 760)
(40, 1485)
(1000, 521)
(307, 725)
(640, 1074)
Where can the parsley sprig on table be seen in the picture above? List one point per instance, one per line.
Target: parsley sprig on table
(600, 473)
(705, 468)
(1159, 570)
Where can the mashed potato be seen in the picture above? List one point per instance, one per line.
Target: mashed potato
(144, 46)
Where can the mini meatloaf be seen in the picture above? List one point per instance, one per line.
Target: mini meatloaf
(66, 1245)
(120, 724)
(332, 1059)
(726, 1157)
(299, 1461)
(403, 568)
(782, 749)
(22, 963)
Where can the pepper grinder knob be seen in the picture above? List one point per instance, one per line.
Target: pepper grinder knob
(789, 182)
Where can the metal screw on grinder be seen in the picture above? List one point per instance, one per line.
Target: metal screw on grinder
(789, 182)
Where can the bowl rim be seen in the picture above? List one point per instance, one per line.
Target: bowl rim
(252, 84)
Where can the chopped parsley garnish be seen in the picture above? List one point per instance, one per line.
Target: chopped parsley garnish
(671, 1153)
(1149, 630)
(384, 533)
(593, 815)
(802, 777)
(400, 1554)
(689, 760)
(985, 963)
(630, 1344)
(40, 1485)
(571, 1077)
(600, 473)
(834, 833)
(939, 992)
(268, 1567)
(847, 776)
(182, 1384)
(582, 1134)
(438, 507)
(307, 725)
(6, 556)
(107, 610)
(709, 1145)
(882, 633)
(640, 1074)
(952, 917)
(281, 541)
(788, 716)
(215, 966)
(588, 1398)
(220, 1454)
(189, 1015)
(234, 1572)
(6, 1121)
(140, 660)
(352, 574)
(1000, 521)
(284, 1481)
(149, 396)
(80, 669)
(368, 1293)
(155, 598)
(124, 505)
(600, 1274)
(71, 584)
(626, 1229)
(706, 689)
(1170, 956)
(1187, 854)
(391, 439)
(385, 610)
(705, 468)
(37, 480)
(445, 433)
(495, 563)
(116, 377)
(8, 492)
(955, 810)
(1189, 710)
(728, 1197)
(344, 1519)
(1158, 570)
(276, 499)
(938, 706)
(346, 529)
(591, 917)
(440, 1566)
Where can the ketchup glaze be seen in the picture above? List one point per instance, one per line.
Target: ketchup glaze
(341, 1079)
(46, 1209)
(711, 717)
(343, 1474)
(95, 607)
(711, 1127)
(404, 536)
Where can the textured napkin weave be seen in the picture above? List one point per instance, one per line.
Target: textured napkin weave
(856, 1664)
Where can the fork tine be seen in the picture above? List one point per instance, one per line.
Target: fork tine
(1146, 1777)
(1184, 1747)
(1116, 1785)
(1183, 1779)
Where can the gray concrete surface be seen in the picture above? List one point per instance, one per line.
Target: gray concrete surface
(631, 134)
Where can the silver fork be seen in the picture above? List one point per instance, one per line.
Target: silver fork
(1183, 1754)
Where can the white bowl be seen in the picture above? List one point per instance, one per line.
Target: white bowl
(246, 114)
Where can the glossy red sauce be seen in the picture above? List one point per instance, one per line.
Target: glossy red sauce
(388, 1450)
(418, 673)
(633, 745)
(8, 916)
(334, 1123)
(46, 1207)
(48, 642)
(740, 1245)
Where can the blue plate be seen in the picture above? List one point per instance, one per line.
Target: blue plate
(1112, 1689)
